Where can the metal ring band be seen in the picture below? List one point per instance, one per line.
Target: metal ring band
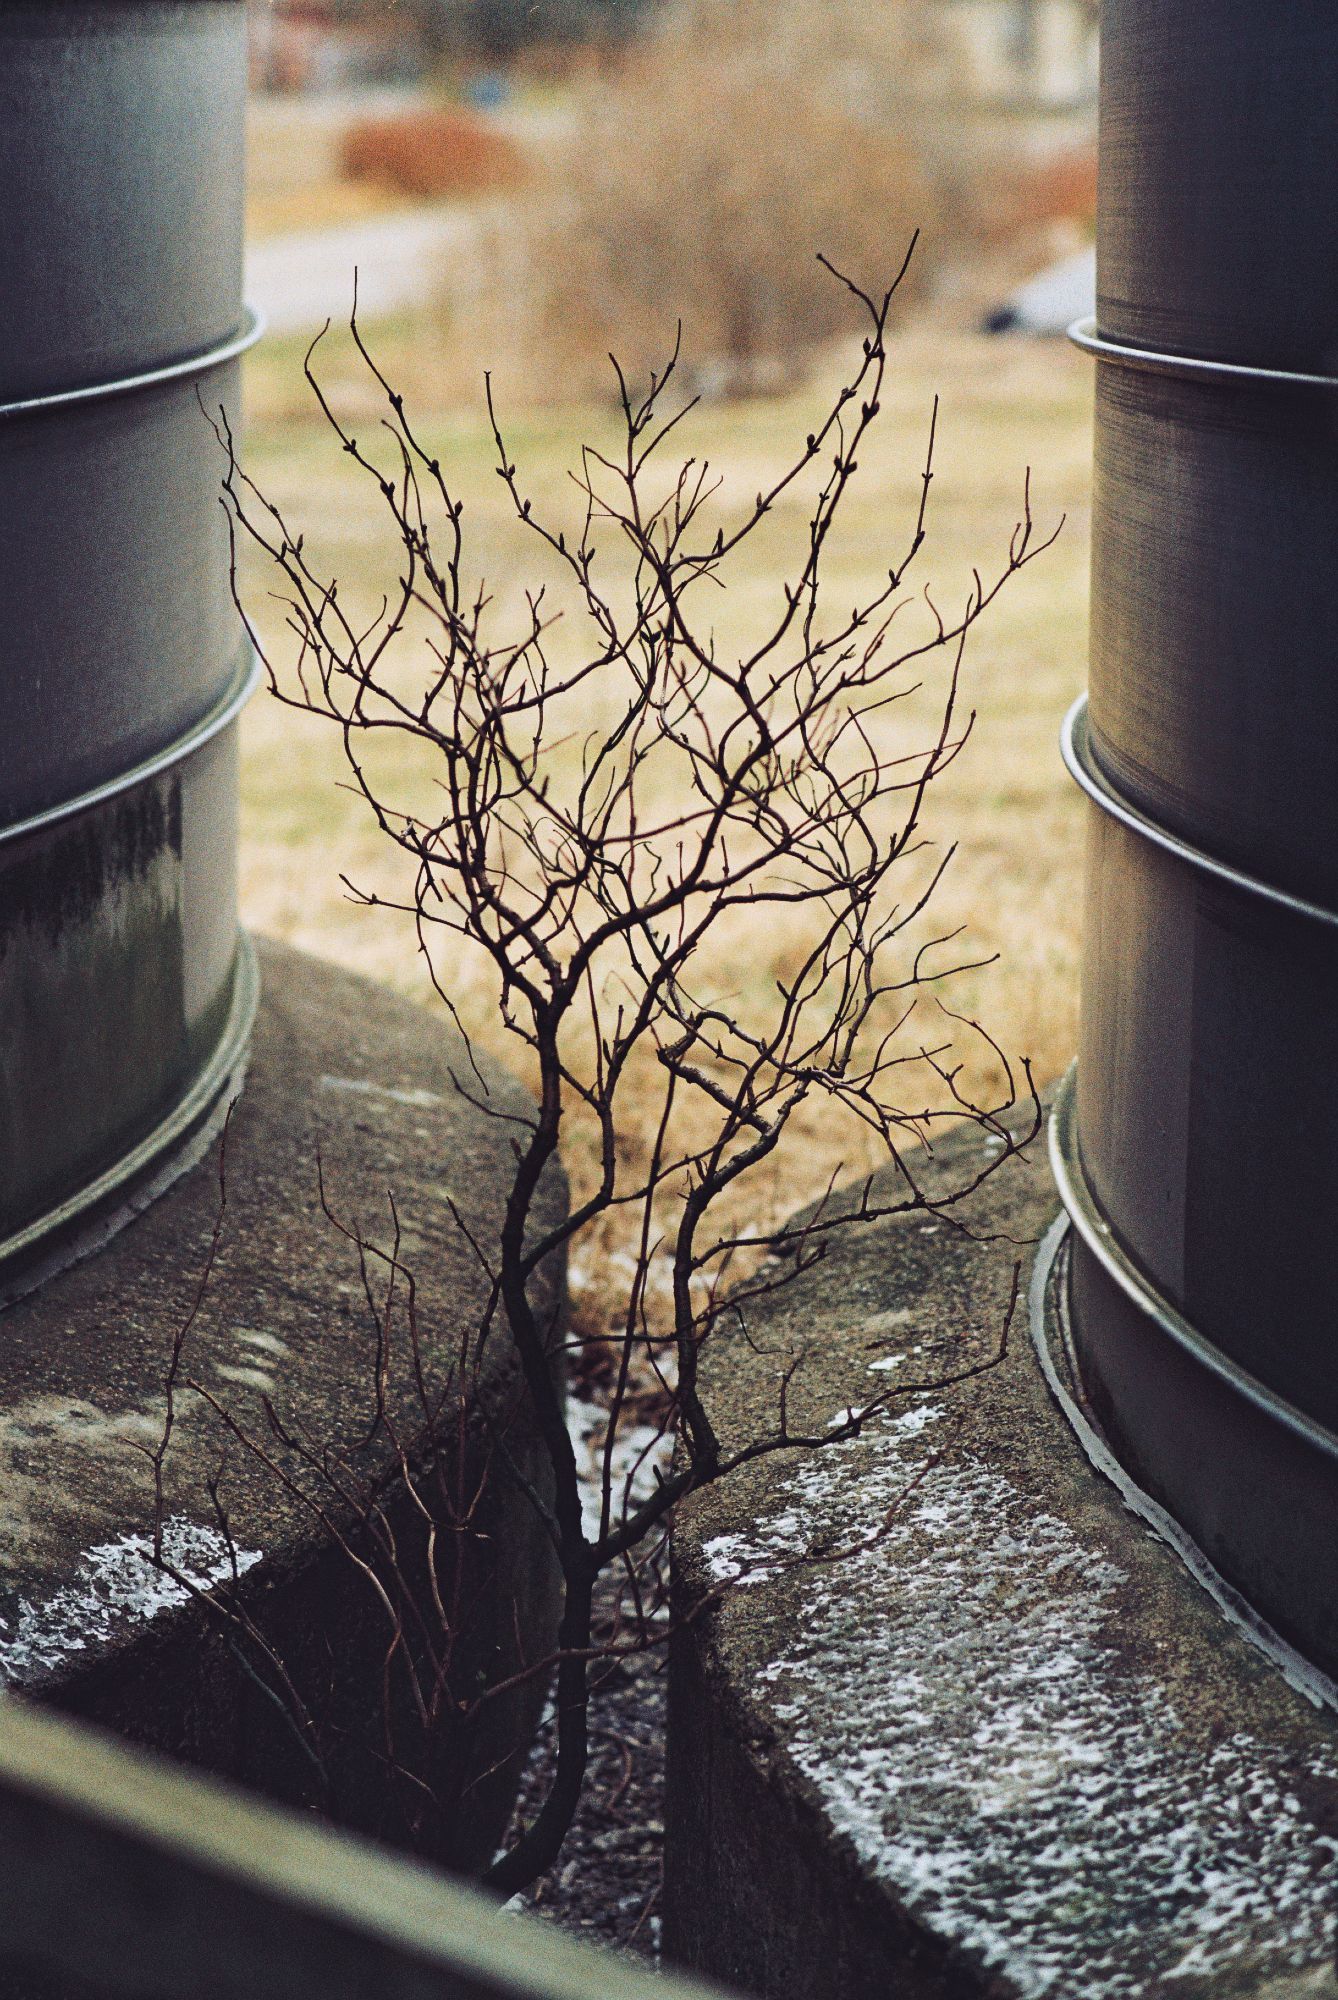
(190, 1111)
(1052, 1340)
(1075, 746)
(1083, 334)
(1085, 1214)
(127, 385)
(243, 686)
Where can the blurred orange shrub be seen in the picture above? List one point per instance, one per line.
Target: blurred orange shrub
(431, 154)
(1061, 189)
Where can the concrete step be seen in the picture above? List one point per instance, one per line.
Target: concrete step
(955, 1723)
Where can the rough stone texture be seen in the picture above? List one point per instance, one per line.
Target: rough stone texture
(957, 1724)
(343, 1069)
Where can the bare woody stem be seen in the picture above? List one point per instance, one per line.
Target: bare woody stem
(615, 796)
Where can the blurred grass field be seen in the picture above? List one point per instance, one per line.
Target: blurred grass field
(1014, 883)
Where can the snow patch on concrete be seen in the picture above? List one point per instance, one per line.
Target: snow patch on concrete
(958, 1702)
(360, 1086)
(245, 1377)
(117, 1585)
(267, 1343)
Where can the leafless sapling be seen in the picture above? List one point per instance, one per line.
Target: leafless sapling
(614, 794)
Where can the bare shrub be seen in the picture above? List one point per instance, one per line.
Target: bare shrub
(740, 135)
(614, 798)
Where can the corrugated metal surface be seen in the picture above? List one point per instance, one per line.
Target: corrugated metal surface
(1217, 227)
(119, 629)
(1214, 616)
(1208, 1104)
(1199, 1155)
(124, 1004)
(121, 158)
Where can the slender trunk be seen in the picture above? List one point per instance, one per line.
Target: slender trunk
(538, 1847)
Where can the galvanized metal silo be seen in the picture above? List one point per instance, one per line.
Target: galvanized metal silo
(126, 994)
(1198, 1154)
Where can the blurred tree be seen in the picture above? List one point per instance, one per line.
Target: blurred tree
(497, 30)
(738, 139)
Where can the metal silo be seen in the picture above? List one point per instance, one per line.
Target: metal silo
(1198, 1153)
(126, 994)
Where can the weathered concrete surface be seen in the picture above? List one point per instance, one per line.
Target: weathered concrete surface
(344, 1070)
(956, 1724)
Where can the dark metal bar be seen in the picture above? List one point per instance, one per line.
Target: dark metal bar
(218, 719)
(135, 1878)
(1217, 227)
(1076, 749)
(1214, 708)
(120, 633)
(126, 999)
(1255, 1498)
(1090, 1223)
(1052, 1336)
(1083, 333)
(121, 172)
(1208, 1101)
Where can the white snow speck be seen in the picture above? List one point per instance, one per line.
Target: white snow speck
(360, 1086)
(638, 1451)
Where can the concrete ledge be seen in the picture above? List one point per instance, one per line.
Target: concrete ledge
(342, 1068)
(958, 1725)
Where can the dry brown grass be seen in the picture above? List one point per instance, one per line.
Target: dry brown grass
(323, 205)
(1015, 881)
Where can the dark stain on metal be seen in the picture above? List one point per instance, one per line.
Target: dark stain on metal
(53, 883)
